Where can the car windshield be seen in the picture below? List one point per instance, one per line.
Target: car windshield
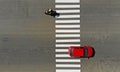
(71, 52)
(85, 52)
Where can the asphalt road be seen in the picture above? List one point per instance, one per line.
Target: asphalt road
(100, 28)
(26, 36)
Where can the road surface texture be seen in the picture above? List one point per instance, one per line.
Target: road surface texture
(26, 36)
(100, 28)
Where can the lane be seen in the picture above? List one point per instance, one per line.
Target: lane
(26, 36)
(100, 28)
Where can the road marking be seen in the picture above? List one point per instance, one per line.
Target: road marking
(61, 50)
(67, 31)
(67, 60)
(68, 65)
(67, 35)
(69, 16)
(68, 11)
(67, 1)
(62, 55)
(67, 26)
(66, 45)
(68, 70)
(67, 21)
(67, 6)
(67, 40)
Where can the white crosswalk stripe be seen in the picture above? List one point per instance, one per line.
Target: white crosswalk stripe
(62, 55)
(68, 60)
(66, 45)
(67, 6)
(67, 34)
(68, 11)
(67, 1)
(68, 70)
(67, 26)
(67, 21)
(61, 50)
(69, 16)
(67, 31)
(68, 65)
(67, 40)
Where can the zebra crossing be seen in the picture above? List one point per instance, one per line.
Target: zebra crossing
(67, 34)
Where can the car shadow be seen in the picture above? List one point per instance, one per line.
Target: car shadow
(93, 52)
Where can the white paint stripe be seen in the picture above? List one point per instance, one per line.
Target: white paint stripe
(67, 40)
(68, 65)
(68, 11)
(67, 26)
(68, 31)
(67, 21)
(68, 70)
(62, 55)
(67, 6)
(67, 60)
(69, 16)
(67, 1)
(61, 50)
(66, 45)
(67, 35)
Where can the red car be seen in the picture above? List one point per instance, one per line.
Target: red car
(85, 51)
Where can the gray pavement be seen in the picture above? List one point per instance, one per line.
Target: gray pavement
(26, 36)
(100, 28)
